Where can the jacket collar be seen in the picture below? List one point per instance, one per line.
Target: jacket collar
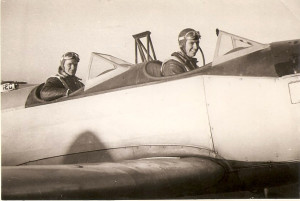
(185, 58)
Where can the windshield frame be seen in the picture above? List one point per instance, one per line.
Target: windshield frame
(254, 46)
(120, 66)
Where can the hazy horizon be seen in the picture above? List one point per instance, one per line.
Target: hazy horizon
(34, 33)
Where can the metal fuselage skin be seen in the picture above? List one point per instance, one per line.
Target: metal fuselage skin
(239, 118)
(225, 112)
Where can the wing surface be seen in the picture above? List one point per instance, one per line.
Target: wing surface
(143, 178)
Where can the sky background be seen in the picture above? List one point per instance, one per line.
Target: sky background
(35, 33)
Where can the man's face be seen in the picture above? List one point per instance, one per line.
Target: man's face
(191, 47)
(70, 66)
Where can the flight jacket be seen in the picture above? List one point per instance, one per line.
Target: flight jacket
(178, 63)
(59, 86)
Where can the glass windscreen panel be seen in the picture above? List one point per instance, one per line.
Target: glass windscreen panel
(242, 43)
(102, 64)
(116, 60)
(230, 44)
(225, 45)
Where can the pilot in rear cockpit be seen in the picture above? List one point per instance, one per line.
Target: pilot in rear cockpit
(65, 82)
(183, 61)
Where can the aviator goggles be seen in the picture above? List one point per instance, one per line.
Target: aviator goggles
(192, 35)
(70, 55)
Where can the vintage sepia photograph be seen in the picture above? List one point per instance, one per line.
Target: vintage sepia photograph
(150, 99)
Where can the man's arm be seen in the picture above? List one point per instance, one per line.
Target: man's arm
(53, 89)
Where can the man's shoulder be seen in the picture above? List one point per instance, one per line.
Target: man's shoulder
(53, 80)
(174, 59)
(172, 67)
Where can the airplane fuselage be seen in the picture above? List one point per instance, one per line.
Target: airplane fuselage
(230, 117)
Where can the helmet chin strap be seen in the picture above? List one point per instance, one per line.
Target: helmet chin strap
(61, 71)
(182, 48)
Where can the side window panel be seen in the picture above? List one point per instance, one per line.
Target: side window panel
(100, 67)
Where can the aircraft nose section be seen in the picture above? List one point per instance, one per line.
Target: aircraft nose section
(286, 57)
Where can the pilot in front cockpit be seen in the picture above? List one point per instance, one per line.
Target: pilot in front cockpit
(183, 61)
(65, 82)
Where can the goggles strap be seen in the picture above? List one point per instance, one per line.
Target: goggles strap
(195, 33)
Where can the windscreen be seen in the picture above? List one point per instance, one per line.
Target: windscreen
(102, 64)
(230, 44)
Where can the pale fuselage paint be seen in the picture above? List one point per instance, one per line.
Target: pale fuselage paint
(148, 115)
(254, 119)
(242, 118)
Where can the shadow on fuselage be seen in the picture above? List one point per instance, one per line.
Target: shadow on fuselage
(86, 149)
